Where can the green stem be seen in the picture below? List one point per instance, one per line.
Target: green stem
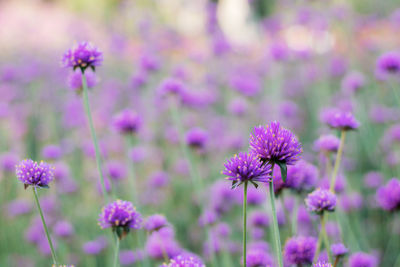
(244, 223)
(275, 227)
(337, 161)
(326, 240)
(336, 261)
(53, 253)
(116, 254)
(93, 133)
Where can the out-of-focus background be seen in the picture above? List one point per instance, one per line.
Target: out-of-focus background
(242, 63)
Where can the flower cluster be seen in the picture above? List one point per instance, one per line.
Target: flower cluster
(127, 122)
(321, 200)
(183, 260)
(83, 55)
(388, 196)
(300, 250)
(274, 143)
(35, 174)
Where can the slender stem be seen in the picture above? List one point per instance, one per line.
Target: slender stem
(53, 253)
(317, 250)
(336, 261)
(326, 240)
(337, 161)
(244, 223)
(93, 133)
(116, 254)
(275, 227)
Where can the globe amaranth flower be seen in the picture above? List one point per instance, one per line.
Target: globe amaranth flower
(274, 143)
(361, 259)
(121, 216)
(259, 257)
(328, 143)
(353, 82)
(388, 196)
(155, 222)
(339, 250)
(246, 167)
(321, 200)
(340, 119)
(127, 122)
(185, 260)
(172, 86)
(35, 174)
(322, 264)
(388, 64)
(83, 55)
(300, 250)
(197, 138)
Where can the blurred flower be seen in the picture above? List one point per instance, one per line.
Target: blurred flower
(51, 152)
(274, 143)
(207, 218)
(121, 216)
(83, 55)
(353, 82)
(238, 106)
(158, 179)
(300, 250)
(361, 259)
(339, 250)
(373, 179)
(127, 122)
(129, 257)
(321, 200)
(116, 170)
(32, 173)
(327, 143)
(171, 86)
(162, 242)
(388, 196)
(18, 207)
(155, 222)
(63, 229)
(197, 138)
(185, 261)
(322, 264)
(95, 247)
(388, 64)
(75, 80)
(259, 219)
(339, 119)
(246, 167)
(8, 162)
(258, 257)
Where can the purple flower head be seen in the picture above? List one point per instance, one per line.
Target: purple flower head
(158, 179)
(208, 217)
(274, 143)
(129, 257)
(238, 106)
(246, 83)
(116, 170)
(322, 264)
(339, 119)
(361, 259)
(246, 167)
(36, 174)
(185, 260)
(321, 200)
(259, 219)
(51, 152)
(18, 207)
(63, 229)
(75, 80)
(353, 82)
(300, 250)
(388, 196)
(373, 179)
(149, 62)
(259, 258)
(327, 143)
(301, 177)
(95, 247)
(139, 79)
(388, 64)
(339, 250)
(83, 55)
(121, 216)
(196, 137)
(8, 162)
(155, 222)
(127, 122)
(172, 86)
(162, 242)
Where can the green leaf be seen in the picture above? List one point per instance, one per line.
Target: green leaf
(283, 167)
(255, 185)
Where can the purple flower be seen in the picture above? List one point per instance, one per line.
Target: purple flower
(116, 170)
(373, 179)
(196, 137)
(353, 82)
(246, 83)
(388, 196)
(155, 222)
(259, 219)
(162, 242)
(321, 200)
(8, 162)
(327, 143)
(185, 260)
(322, 264)
(127, 122)
(129, 257)
(120, 215)
(208, 218)
(339, 250)
(51, 152)
(158, 179)
(149, 62)
(300, 250)
(388, 64)
(75, 80)
(274, 143)
(63, 229)
(171, 86)
(246, 167)
(339, 119)
(258, 258)
(301, 177)
(361, 259)
(83, 55)
(95, 247)
(36, 174)
(18, 207)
